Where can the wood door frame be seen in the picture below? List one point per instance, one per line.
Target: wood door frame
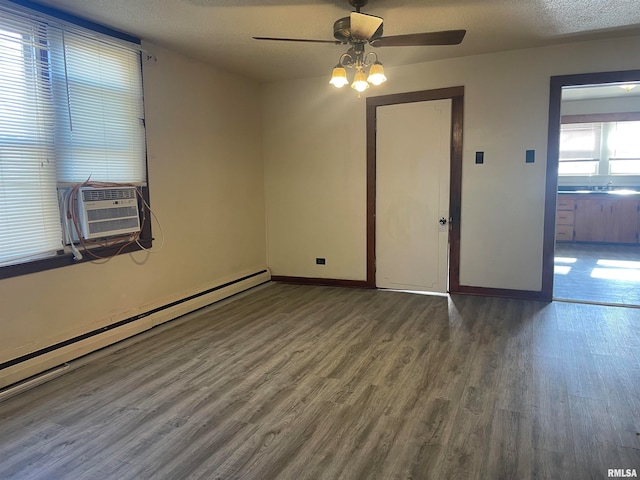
(553, 154)
(456, 95)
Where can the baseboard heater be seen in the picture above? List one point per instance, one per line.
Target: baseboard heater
(33, 382)
(93, 333)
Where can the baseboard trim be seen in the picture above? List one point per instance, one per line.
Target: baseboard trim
(325, 282)
(501, 292)
(461, 290)
(34, 363)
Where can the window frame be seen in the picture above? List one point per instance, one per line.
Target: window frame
(63, 257)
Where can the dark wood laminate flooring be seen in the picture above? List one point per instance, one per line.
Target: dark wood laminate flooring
(301, 382)
(597, 273)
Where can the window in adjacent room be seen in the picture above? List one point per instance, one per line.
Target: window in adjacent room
(624, 148)
(600, 148)
(580, 148)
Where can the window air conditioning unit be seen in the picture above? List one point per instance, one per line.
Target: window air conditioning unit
(106, 212)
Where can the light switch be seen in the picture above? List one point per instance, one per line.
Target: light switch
(530, 156)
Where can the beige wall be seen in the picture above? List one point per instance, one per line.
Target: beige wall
(314, 143)
(206, 186)
(208, 134)
(314, 147)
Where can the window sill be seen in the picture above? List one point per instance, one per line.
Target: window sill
(66, 259)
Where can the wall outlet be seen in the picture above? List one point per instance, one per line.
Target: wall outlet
(321, 261)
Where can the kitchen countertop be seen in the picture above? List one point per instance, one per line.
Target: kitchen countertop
(615, 191)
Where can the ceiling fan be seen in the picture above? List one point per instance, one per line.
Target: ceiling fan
(363, 28)
(360, 29)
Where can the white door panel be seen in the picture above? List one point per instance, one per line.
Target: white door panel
(412, 194)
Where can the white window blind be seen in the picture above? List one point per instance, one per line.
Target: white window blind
(580, 141)
(624, 140)
(99, 104)
(71, 109)
(29, 218)
(624, 148)
(580, 148)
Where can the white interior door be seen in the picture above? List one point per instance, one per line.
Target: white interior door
(413, 157)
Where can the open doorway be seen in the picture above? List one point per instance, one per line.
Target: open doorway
(596, 247)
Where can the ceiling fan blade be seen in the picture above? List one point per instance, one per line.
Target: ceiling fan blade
(447, 37)
(365, 27)
(307, 40)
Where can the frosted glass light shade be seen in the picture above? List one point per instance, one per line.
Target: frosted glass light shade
(376, 74)
(339, 77)
(360, 82)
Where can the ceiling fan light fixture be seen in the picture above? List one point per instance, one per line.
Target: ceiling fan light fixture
(360, 83)
(361, 29)
(376, 74)
(339, 77)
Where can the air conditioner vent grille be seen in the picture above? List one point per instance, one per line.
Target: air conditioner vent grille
(113, 225)
(94, 195)
(107, 213)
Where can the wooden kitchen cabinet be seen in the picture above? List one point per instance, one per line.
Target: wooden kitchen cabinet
(592, 218)
(606, 218)
(565, 218)
(625, 221)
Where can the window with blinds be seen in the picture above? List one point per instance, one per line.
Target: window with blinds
(600, 148)
(71, 110)
(624, 148)
(580, 148)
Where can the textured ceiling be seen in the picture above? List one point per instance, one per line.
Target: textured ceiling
(219, 31)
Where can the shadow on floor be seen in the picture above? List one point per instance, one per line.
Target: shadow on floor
(597, 273)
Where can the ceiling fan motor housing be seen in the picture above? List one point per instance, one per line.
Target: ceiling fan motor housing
(342, 29)
(343, 33)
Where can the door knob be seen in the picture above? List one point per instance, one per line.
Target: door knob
(443, 221)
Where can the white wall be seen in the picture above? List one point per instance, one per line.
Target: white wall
(314, 147)
(206, 186)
